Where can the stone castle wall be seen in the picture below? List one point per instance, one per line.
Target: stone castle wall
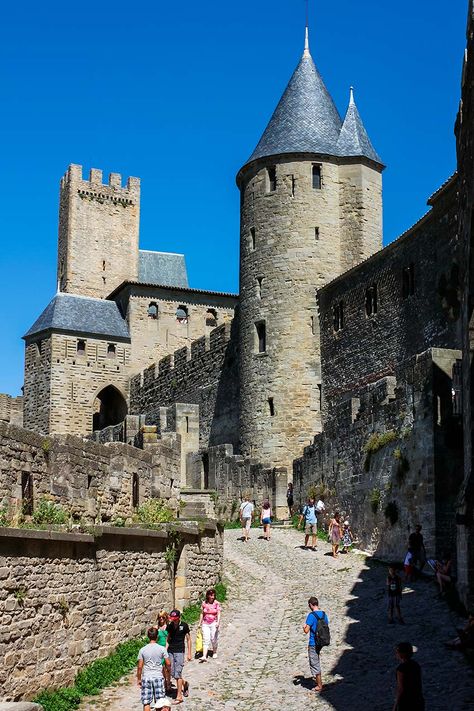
(155, 338)
(93, 482)
(293, 240)
(204, 375)
(409, 423)
(98, 232)
(11, 409)
(367, 348)
(61, 385)
(68, 599)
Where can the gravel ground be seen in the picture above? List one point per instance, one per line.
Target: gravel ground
(262, 661)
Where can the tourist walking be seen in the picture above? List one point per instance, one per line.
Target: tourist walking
(335, 533)
(417, 547)
(308, 515)
(161, 627)
(246, 515)
(290, 501)
(409, 696)
(394, 592)
(149, 672)
(443, 573)
(179, 637)
(347, 538)
(317, 624)
(209, 623)
(266, 519)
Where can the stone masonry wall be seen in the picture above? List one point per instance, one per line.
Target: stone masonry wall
(411, 477)
(369, 347)
(291, 244)
(91, 481)
(68, 599)
(204, 375)
(98, 232)
(11, 409)
(61, 385)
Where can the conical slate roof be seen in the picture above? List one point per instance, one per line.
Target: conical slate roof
(81, 314)
(353, 139)
(306, 119)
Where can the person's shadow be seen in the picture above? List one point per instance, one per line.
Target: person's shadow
(305, 681)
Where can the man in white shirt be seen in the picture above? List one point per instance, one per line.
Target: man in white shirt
(246, 515)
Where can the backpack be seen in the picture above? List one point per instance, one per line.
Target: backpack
(321, 632)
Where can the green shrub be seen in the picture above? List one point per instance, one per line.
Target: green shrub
(377, 440)
(49, 512)
(60, 699)
(154, 511)
(4, 516)
(375, 497)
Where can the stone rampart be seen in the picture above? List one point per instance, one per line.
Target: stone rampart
(68, 599)
(92, 481)
(389, 457)
(205, 375)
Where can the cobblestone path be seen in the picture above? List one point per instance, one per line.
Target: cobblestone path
(262, 662)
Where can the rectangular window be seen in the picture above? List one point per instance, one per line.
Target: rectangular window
(371, 300)
(259, 287)
(408, 281)
(272, 179)
(27, 493)
(293, 186)
(81, 348)
(252, 238)
(316, 233)
(261, 331)
(135, 491)
(338, 316)
(271, 406)
(456, 390)
(316, 177)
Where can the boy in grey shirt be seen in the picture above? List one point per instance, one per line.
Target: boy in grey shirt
(150, 672)
(246, 514)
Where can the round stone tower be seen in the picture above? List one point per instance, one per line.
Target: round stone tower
(311, 208)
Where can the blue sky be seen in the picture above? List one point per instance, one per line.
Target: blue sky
(178, 94)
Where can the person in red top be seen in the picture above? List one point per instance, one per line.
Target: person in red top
(209, 623)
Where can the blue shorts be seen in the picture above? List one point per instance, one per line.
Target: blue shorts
(152, 690)
(266, 521)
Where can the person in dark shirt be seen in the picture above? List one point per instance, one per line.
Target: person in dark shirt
(394, 592)
(409, 695)
(178, 637)
(417, 548)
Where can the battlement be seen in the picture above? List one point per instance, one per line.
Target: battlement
(179, 363)
(94, 185)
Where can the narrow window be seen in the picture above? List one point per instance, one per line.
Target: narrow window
(312, 325)
(89, 481)
(135, 491)
(27, 493)
(456, 390)
(316, 173)
(272, 180)
(252, 238)
(81, 348)
(316, 233)
(320, 396)
(187, 423)
(103, 265)
(371, 300)
(111, 350)
(338, 316)
(271, 406)
(293, 186)
(408, 281)
(152, 310)
(182, 314)
(261, 331)
(259, 287)
(211, 318)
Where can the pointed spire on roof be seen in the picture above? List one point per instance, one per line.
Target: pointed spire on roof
(306, 52)
(353, 139)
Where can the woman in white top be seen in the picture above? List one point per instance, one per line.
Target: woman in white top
(266, 519)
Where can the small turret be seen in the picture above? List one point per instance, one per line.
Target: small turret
(353, 139)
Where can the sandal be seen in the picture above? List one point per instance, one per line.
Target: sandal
(186, 689)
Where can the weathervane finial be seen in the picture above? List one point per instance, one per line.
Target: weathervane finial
(306, 52)
(351, 96)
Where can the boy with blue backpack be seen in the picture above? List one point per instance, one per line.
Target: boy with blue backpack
(317, 624)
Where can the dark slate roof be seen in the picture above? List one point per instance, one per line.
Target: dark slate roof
(162, 268)
(306, 119)
(353, 139)
(81, 314)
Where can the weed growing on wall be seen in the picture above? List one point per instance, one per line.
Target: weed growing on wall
(154, 511)
(375, 497)
(376, 441)
(49, 512)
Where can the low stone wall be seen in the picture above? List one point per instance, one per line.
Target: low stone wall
(68, 599)
(93, 482)
(413, 472)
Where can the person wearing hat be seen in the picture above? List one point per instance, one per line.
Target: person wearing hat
(178, 638)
